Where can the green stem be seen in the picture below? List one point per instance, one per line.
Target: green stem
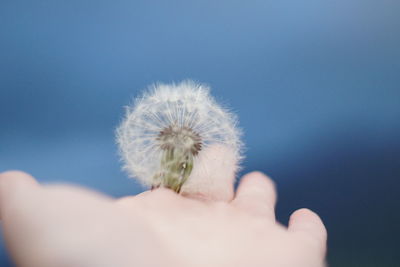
(176, 167)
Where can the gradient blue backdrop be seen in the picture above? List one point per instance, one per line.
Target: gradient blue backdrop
(315, 84)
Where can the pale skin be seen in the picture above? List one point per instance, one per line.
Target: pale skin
(59, 225)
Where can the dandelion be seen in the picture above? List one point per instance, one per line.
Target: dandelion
(167, 135)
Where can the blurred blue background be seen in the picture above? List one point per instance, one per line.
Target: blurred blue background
(316, 85)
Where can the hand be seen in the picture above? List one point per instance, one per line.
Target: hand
(56, 225)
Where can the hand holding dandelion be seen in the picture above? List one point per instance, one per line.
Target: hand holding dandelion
(175, 137)
(166, 134)
(46, 226)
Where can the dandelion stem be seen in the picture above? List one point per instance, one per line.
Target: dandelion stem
(177, 164)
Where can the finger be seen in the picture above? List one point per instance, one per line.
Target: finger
(213, 175)
(256, 194)
(308, 223)
(13, 188)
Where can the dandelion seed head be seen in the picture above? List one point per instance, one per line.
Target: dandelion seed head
(177, 117)
(181, 137)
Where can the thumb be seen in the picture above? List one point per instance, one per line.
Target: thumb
(13, 188)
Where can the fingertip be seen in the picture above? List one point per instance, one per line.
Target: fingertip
(300, 213)
(257, 179)
(308, 222)
(305, 215)
(257, 183)
(256, 194)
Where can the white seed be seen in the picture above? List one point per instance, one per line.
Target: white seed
(195, 121)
